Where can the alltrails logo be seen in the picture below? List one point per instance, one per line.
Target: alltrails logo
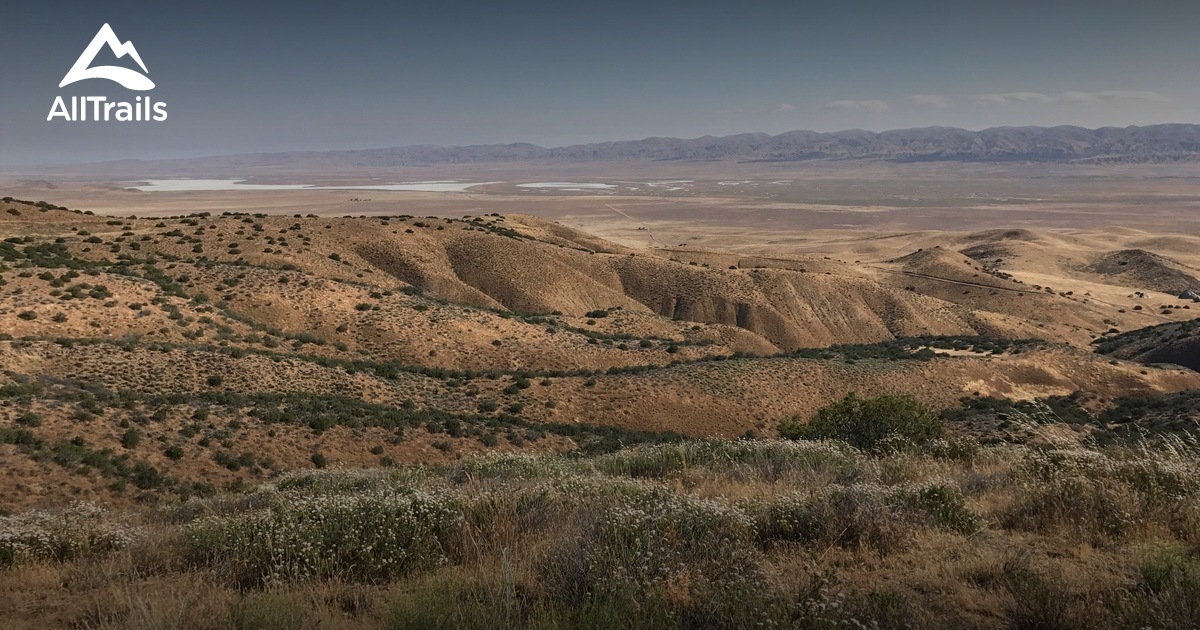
(99, 108)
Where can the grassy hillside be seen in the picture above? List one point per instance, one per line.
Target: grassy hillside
(694, 534)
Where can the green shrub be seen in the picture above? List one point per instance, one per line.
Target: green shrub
(869, 423)
(131, 438)
(1168, 591)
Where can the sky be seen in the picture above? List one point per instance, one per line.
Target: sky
(252, 77)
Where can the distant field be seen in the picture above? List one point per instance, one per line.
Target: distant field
(720, 204)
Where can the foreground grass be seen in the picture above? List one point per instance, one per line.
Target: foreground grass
(811, 534)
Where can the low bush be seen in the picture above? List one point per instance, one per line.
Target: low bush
(370, 536)
(871, 424)
(74, 532)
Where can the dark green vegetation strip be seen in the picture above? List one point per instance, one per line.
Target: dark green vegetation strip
(319, 412)
(1160, 334)
(1130, 418)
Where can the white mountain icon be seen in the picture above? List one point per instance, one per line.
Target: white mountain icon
(130, 79)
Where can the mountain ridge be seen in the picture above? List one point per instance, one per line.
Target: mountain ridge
(1172, 142)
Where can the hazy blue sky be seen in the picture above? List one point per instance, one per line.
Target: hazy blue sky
(249, 77)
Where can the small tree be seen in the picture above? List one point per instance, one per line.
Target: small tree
(867, 423)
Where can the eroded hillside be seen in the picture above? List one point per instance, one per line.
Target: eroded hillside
(180, 355)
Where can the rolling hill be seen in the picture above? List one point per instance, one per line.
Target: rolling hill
(174, 355)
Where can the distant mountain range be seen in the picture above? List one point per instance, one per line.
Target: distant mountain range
(999, 144)
(1149, 144)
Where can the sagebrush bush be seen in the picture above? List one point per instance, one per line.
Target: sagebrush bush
(1107, 495)
(866, 515)
(749, 459)
(73, 532)
(370, 536)
(685, 561)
